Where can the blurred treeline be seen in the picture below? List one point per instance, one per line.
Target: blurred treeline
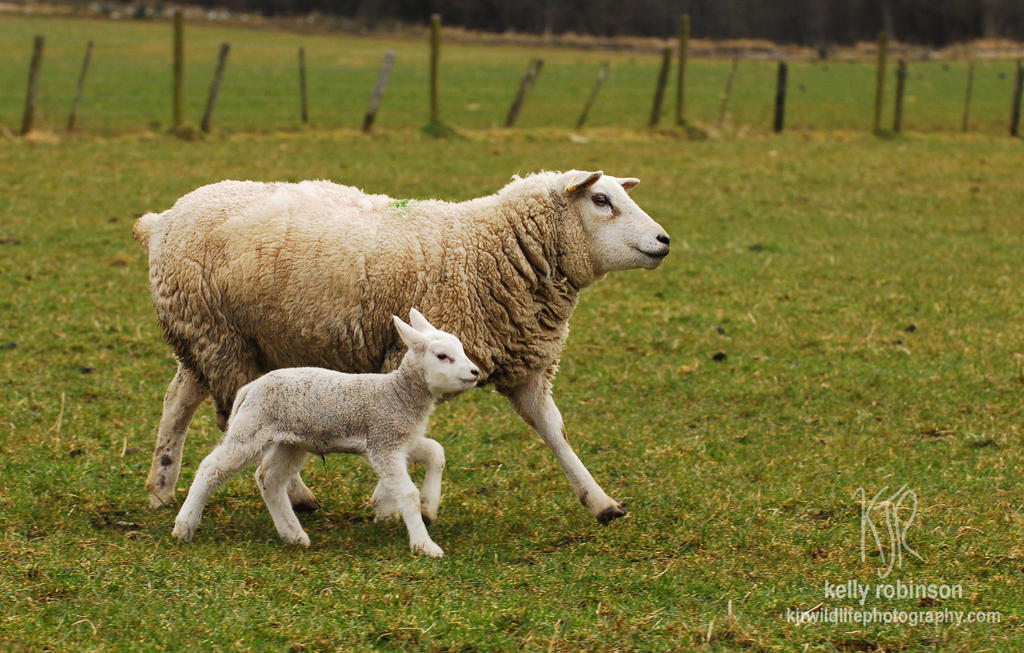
(805, 22)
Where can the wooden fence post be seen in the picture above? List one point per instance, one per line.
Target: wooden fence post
(883, 47)
(435, 57)
(727, 91)
(73, 116)
(659, 90)
(303, 97)
(378, 90)
(532, 70)
(28, 119)
(601, 74)
(218, 75)
(780, 98)
(901, 84)
(967, 96)
(1018, 88)
(684, 48)
(179, 68)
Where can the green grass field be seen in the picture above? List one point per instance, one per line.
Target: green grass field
(839, 312)
(128, 87)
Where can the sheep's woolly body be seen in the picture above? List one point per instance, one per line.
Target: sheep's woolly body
(248, 277)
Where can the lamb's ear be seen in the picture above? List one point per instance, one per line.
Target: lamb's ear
(419, 322)
(412, 338)
(578, 182)
(628, 183)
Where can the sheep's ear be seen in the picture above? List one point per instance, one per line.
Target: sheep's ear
(419, 322)
(412, 338)
(581, 181)
(628, 183)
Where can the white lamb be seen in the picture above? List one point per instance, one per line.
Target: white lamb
(289, 413)
(249, 277)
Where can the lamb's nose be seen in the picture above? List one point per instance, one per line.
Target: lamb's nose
(663, 239)
(475, 372)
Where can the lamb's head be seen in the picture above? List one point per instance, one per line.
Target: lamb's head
(621, 235)
(437, 354)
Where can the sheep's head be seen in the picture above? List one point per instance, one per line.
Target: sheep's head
(621, 235)
(446, 368)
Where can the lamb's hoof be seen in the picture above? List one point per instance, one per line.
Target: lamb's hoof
(428, 548)
(383, 515)
(309, 504)
(183, 531)
(299, 539)
(611, 512)
(300, 496)
(383, 508)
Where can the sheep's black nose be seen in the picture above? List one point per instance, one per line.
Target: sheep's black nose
(663, 239)
(475, 372)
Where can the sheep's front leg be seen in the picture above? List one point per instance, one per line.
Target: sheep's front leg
(398, 486)
(183, 397)
(430, 453)
(280, 464)
(532, 400)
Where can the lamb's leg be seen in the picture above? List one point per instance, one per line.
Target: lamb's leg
(430, 453)
(180, 403)
(281, 464)
(384, 506)
(300, 496)
(231, 455)
(395, 481)
(532, 400)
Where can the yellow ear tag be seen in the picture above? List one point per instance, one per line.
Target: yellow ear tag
(571, 188)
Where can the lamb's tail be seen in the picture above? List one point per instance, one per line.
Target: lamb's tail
(239, 398)
(143, 227)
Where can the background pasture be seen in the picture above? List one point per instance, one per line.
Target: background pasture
(839, 312)
(129, 84)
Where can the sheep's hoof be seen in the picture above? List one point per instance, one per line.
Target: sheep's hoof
(611, 512)
(161, 493)
(156, 501)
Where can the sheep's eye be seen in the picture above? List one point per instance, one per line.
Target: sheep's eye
(442, 357)
(600, 199)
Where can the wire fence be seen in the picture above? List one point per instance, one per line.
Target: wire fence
(128, 86)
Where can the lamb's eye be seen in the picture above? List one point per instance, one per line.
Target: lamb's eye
(600, 199)
(442, 357)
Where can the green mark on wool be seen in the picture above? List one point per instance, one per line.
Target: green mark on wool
(401, 204)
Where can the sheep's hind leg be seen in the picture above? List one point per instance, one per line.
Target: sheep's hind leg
(280, 465)
(224, 462)
(183, 397)
(395, 481)
(532, 400)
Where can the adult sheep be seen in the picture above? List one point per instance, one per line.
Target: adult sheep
(248, 277)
